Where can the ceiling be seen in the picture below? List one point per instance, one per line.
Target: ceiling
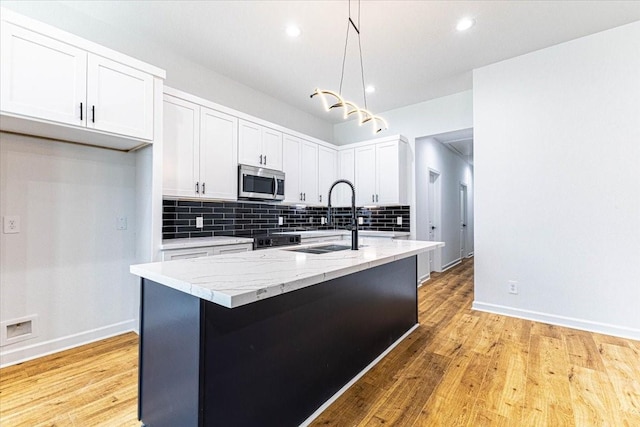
(411, 49)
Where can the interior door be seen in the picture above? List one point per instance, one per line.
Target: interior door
(463, 220)
(433, 208)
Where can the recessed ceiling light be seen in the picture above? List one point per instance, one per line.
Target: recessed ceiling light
(293, 31)
(370, 89)
(465, 23)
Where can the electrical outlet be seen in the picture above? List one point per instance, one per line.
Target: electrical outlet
(323, 220)
(121, 223)
(360, 220)
(310, 220)
(399, 220)
(199, 222)
(11, 224)
(280, 220)
(513, 287)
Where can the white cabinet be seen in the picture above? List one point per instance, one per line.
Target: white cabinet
(341, 195)
(327, 171)
(200, 151)
(119, 98)
(173, 254)
(380, 175)
(300, 165)
(259, 146)
(49, 80)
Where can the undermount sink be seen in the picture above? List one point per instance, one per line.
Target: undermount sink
(324, 249)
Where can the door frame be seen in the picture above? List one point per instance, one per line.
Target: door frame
(434, 216)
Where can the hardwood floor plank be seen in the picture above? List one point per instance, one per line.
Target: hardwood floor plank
(623, 368)
(593, 397)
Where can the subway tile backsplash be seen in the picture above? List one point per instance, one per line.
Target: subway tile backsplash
(248, 218)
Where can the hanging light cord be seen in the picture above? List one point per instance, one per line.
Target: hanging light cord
(344, 56)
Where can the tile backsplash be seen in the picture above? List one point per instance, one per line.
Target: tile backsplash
(248, 218)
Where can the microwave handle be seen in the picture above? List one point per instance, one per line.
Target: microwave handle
(275, 187)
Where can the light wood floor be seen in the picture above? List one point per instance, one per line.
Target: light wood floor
(460, 367)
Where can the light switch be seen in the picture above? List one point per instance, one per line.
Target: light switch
(399, 220)
(199, 222)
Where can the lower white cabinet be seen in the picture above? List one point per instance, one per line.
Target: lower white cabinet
(174, 254)
(200, 151)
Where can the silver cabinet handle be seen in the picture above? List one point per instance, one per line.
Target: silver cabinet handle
(320, 198)
(265, 159)
(197, 188)
(260, 158)
(300, 196)
(373, 198)
(81, 111)
(93, 113)
(376, 195)
(304, 196)
(203, 188)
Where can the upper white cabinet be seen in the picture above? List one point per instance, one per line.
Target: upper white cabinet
(327, 171)
(300, 165)
(259, 146)
(57, 85)
(380, 177)
(119, 98)
(200, 151)
(341, 195)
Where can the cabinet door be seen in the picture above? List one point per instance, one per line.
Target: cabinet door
(119, 98)
(272, 149)
(365, 171)
(388, 173)
(181, 128)
(42, 77)
(309, 172)
(232, 249)
(186, 253)
(346, 170)
(291, 168)
(249, 143)
(327, 172)
(218, 155)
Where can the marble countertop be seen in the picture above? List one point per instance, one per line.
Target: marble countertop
(361, 233)
(234, 280)
(200, 242)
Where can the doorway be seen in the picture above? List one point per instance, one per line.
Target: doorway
(433, 218)
(463, 221)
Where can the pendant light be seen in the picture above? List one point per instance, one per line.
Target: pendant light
(331, 99)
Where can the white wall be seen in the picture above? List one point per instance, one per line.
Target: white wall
(557, 168)
(453, 170)
(68, 265)
(182, 73)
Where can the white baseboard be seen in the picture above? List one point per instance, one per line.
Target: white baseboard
(423, 279)
(568, 322)
(451, 264)
(340, 392)
(23, 353)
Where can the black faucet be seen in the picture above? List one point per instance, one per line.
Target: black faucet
(354, 219)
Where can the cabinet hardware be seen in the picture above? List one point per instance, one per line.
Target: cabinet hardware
(304, 197)
(321, 198)
(93, 113)
(197, 188)
(376, 198)
(81, 111)
(300, 196)
(265, 159)
(260, 158)
(203, 188)
(373, 198)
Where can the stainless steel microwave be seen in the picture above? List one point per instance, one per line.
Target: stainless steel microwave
(260, 183)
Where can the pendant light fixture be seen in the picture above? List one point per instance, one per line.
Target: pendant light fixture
(331, 99)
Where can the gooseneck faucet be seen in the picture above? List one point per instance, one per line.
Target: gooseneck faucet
(354, 219)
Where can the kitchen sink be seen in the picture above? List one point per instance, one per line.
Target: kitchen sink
(324, 249)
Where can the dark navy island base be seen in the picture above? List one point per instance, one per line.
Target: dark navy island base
(269, 363)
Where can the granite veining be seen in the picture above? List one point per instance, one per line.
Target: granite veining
(233, 280)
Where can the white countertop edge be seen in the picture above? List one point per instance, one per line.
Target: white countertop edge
(246, 297)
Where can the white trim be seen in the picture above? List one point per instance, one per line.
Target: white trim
(450, 265)
(19, 355)
(567, 322)
(340, 392)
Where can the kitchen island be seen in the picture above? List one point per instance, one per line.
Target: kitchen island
(268, 337)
